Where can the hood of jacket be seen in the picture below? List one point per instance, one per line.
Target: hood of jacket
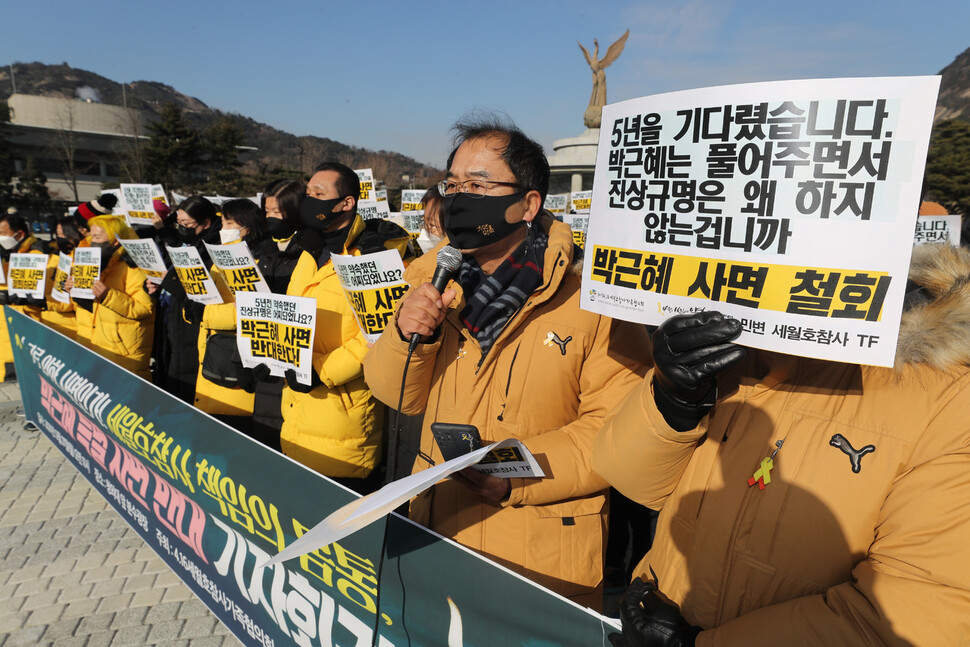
(935, 328)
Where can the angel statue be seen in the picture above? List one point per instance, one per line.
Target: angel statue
(598, 98)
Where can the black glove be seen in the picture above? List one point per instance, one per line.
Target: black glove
(300, 387)
(4, 297)
(651, 620)
(689, 351)
(37, 303)
(248, 377)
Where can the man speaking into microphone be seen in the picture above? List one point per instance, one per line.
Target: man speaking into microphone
(506, 348)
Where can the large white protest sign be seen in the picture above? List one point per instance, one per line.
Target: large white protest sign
(238, 267)
(137, 200)
(789, 206)
(556, 203)
(58, 288)
(366, 177)
(276, 330)
(146, 255)
(937, 229)
(85, 271)
(193, 275)
(374, 284)
(27, 275)
(579, 201)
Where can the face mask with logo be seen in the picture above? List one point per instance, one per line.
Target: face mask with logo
(9, 243)
(227, 236)
(318, 214)
(476, 222)
(279, 228)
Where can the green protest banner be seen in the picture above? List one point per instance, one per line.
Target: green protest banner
(214, 504)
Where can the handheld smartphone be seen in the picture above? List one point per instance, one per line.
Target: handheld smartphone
(455, 439)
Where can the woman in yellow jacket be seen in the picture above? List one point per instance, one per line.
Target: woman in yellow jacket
(242, 222)
(60, 315)
(120, 320)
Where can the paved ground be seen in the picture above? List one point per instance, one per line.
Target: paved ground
(72, 572)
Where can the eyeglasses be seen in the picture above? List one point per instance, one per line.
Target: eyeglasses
(471, 188)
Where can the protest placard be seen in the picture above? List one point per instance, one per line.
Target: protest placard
(3, 278)
(370, 210)
(373, 283)
(85, 271)
(137, 201)
(238, 267)
(27, 275)
(556, 203)
(578, 224)
(938, 229)
(63, 271)
(411, 200)
(193, 275)
(146, 255)
(158, 193)
(789, 206)
(366, 177)
(579, 201)
(276, 330)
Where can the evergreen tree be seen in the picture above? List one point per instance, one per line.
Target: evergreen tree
(31, 189)
(173, 156)
(6, 159)
(948, 166)
(223, 164)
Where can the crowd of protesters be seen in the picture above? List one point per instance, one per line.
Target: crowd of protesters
(857, 540)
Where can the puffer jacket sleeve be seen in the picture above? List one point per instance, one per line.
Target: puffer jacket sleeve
(134, 303)
(220, 316)
(638, 453)
(613, 366)
(345, 363)
(913, 585)
(384, 365)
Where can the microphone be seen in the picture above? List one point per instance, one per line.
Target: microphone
(449, 260)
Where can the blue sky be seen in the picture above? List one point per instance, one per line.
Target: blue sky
(396, 75)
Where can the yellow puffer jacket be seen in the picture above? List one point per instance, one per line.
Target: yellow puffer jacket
(221, 317)
(553, 396)
(861, 535)
(336, 428)
(122, 323)
(29, 245)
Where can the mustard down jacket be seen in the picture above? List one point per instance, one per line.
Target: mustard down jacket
(335, 429)
(29, 245)
(861, 536)
(553, 397)
(219, 317)
(120, 326)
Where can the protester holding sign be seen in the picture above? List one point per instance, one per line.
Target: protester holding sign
(806, 502)
(334, 425)
(59, 314)
(508, 350)
(276, 256)
(15, 237)
(120, 320)
(218, 386)
(177, 342)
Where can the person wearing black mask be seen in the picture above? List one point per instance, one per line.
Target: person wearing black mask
(176, 349)
(334, 426)
(508, 349)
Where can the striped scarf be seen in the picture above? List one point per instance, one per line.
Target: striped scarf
(491, 300)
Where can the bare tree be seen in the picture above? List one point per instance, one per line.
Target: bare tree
(131, 156)
(65, 146)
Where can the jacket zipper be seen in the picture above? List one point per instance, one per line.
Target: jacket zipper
(508, 383)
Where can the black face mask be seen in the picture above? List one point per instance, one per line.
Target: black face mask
(476, 222)
(107, 249)
(279, 228)
(318, 214)
(185, 234)
(64, 244)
